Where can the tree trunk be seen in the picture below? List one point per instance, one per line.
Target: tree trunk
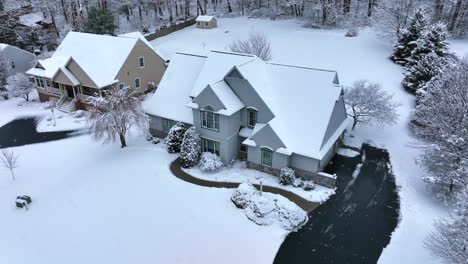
(370, 7)
(355, 121)
(64, 10)
(123, 144)
(439, 9)
(456, 14)
(12, 174)
(200, 7)
(346, 6)
(140, 13)
(229, 6)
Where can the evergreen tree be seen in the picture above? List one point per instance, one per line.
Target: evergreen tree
(100, 21)
(2, 6)
(190, 149)
(407, 38)
(432, 40)
(174, 137)
(8, 33)
(429, 68)
(5, 72)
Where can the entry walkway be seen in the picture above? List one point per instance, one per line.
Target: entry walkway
(301, 202)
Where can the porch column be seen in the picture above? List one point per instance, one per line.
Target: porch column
(74, 92)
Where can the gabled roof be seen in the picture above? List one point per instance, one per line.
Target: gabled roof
(100, 56)
(301, 98)
(138, 35)
(31, 19)
(68, 74)
(172, 95)
(204, 18)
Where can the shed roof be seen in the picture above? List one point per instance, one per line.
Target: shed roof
(204, 18)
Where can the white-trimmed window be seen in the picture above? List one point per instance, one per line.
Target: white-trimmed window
(48, 83)
(267, 157)
(137, 83)
(251, 117)
(141, 62)
(210, 146)
(40, 82)
(121, 86)
(209, 119)
(167, 124)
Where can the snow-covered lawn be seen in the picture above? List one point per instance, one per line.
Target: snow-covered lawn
(17, 107)
(355, 58)
(63, 122)
(95, 203)
(238, 172)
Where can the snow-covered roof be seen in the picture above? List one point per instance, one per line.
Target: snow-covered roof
(100, 56)
(32, 19)
(138, 35)
(231, 102)
(3, 46)
(170, 99)
(302, 99)
(204, 18)
(69, 75)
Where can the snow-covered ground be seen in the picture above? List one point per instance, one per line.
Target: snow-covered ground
(18, 107)
(238, 172)
(95, 203)
(354, 58)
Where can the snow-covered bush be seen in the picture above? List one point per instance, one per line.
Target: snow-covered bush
(190, 149)
(286, 176)
(242, 196)
(79, 114)
(290, 216)
(210, 162)
(308, 185)
(261, 210)
(351, 33)
(297, 182)
(155, 141)
(418, 76)
(174, 137)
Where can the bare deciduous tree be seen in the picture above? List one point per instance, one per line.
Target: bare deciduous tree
(114, 114)
(367, 102)
(19, 85)
(9, 161)
(257, 44)
(449, 240)
(5, 72)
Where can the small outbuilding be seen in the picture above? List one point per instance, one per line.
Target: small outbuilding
(206, 22)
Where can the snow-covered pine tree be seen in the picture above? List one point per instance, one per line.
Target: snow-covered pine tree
(19, 85)
(432, 40)
(190, 150)
(174, 138)
(408, 37)
(113, 115)
(441, 119)
(417, 77)
(100, 21)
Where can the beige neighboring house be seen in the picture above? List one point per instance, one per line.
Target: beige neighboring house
(86, 64)
(206, 22)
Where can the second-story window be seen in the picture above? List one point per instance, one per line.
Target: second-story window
(251, 117)
(141, 61)
(210, 119)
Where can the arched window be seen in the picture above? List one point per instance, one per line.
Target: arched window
(209, 118)
(267, 157)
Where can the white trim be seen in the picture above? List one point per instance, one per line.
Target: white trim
(144, 63)
(139, 83)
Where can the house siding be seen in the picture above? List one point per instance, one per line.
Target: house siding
(266, 137)
(338, 116)
(279, 161)
(250, 98)
(80, 74)
(304, 163)
(211, 24)
(153, 70)
(208, 97)
(226, 136)
(62, 78)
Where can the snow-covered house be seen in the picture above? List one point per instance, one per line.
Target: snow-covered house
(21, 60)
(270, 114)
(33, 20)
(85, 64)
(206, 22)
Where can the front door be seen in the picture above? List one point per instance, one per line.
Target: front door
(70, 91)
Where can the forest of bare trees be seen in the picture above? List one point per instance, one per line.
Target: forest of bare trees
(388, 16)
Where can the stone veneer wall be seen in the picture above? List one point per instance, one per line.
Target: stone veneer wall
(322, 180)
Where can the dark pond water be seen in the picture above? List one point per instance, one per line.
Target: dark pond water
(355, 224)
(21, 132)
